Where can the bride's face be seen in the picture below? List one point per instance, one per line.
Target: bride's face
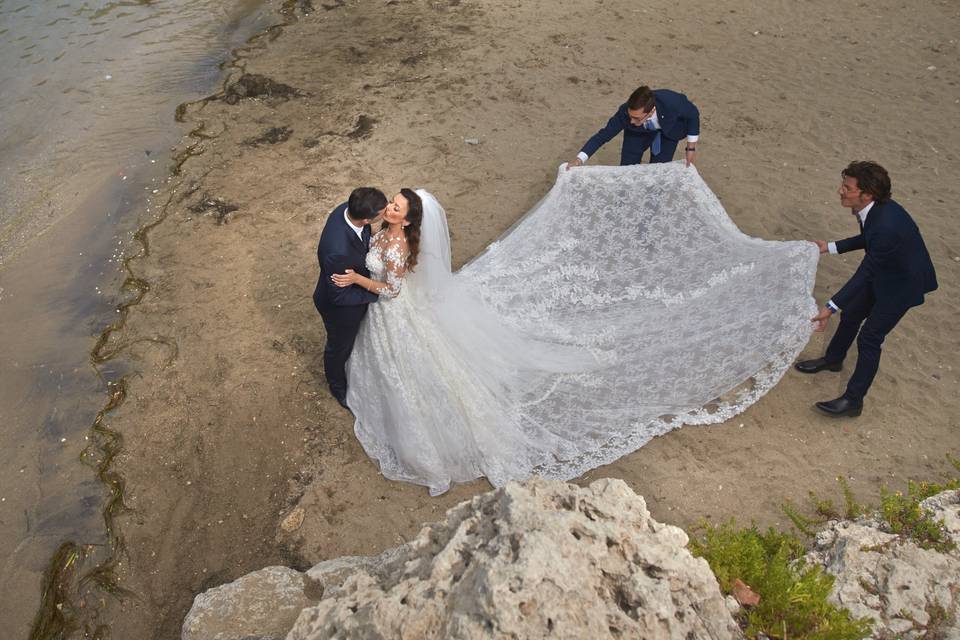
(396, 211)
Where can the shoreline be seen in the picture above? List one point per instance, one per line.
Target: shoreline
(227, 440)
(81, 571)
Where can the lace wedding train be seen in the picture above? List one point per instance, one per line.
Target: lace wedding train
(625, 304)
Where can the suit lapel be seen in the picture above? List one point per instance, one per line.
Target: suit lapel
(366, 237)
(354, 240)
(876, 211)
(665, 118)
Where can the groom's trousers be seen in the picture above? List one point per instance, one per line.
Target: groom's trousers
(342, 325)
(876, 324)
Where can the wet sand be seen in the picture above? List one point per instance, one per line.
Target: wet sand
(87, 107)
(224, 439)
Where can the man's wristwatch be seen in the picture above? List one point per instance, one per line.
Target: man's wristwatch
(691, 149)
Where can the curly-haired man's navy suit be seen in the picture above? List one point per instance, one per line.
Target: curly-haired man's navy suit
(895, 275)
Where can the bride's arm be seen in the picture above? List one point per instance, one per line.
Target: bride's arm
(351, 277)
(395, 257)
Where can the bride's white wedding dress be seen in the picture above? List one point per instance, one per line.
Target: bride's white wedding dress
(623, 305)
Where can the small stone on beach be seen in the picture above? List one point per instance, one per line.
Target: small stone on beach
(744, 594)
(293, 521)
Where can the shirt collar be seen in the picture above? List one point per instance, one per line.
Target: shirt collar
(862, 214)
(356, 229)
(655, 119)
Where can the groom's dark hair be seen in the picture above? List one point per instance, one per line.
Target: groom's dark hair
(641, 98)
(365, 203)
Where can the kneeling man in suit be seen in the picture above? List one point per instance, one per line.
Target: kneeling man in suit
(649, 119)
(894, 275)
(343, 245)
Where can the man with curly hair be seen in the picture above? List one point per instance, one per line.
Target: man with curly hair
(895, 274)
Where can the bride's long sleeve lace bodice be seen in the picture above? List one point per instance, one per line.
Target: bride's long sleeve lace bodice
(387, 260)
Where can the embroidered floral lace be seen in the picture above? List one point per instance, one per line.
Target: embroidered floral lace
(623, 305)
(386, 261)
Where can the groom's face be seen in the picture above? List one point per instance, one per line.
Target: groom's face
(639, 116)
(376, 218)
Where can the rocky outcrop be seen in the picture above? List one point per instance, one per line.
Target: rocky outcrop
(550, 559)
(263, 604)
(531, 560)
(528, 561)
(908, 591)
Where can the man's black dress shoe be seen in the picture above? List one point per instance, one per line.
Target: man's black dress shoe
(840, 407)
(817, 364)
(340, 396)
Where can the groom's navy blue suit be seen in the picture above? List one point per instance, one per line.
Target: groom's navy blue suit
(342, 309)
(678, 118)
(894, 276)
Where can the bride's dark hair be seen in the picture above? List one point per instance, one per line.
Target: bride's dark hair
(412, 230)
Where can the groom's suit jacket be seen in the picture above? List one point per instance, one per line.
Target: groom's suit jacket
(340, 249)
(896, 268)
(677, 115)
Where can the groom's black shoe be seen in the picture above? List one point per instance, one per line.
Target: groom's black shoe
(341, 397)
(816, 365)
(842, 406)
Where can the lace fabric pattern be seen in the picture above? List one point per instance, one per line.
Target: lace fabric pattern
(386, 261)
(623, 305)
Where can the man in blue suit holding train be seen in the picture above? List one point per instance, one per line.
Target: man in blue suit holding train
(650, 119)
(894, 276)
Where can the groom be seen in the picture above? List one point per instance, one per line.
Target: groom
(343, 245)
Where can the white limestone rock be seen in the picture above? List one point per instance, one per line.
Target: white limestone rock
(531, 560)
(908, 591)
(945, 507)
(262, 604)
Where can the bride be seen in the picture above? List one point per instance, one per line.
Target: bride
(625, 304)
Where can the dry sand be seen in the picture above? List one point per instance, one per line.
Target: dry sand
(224, 441)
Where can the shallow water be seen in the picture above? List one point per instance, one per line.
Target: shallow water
(88, 91)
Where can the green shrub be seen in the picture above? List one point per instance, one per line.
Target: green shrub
(793, 596)
(853, 509)
(903, 515)
(806, 526)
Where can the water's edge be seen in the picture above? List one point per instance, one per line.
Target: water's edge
(79, 575)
